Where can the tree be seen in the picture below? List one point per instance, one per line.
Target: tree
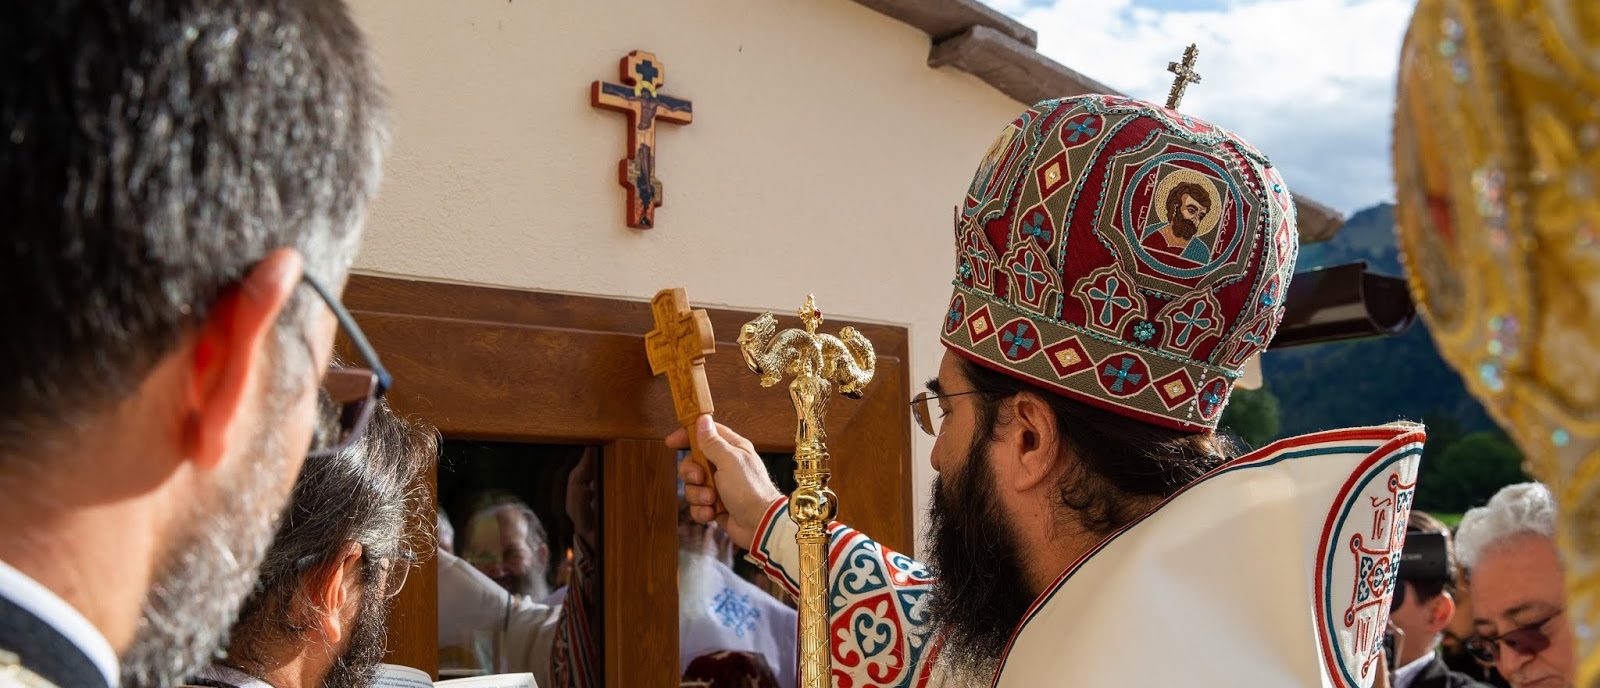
(1252, 416)
(1468, 472)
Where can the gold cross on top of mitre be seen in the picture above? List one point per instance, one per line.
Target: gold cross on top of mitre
(1185, 75)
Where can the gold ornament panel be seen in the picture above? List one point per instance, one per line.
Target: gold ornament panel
(1497, 162)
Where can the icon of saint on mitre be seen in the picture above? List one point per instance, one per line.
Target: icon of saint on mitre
(1187, 210)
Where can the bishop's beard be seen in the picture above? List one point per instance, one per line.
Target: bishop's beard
(981, 594)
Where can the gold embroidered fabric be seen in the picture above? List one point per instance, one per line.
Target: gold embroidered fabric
(1497, 161)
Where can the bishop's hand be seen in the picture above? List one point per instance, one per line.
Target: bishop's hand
(742, 482)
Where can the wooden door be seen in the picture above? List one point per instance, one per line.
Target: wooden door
(509, 365)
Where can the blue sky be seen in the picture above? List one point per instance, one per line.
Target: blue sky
(1309, 82)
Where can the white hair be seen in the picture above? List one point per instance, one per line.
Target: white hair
(1524, 508)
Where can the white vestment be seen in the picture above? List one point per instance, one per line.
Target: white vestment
(473, 606)
(1275, 569)
(718, 610)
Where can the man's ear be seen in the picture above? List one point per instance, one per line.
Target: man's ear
(228, 346)
(334, 591)
(1440, 611)
(1034, 439)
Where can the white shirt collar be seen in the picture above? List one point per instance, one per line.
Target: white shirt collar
(29, 594)
(1403, 676)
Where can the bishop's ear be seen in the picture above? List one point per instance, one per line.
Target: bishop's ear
(1034, 440)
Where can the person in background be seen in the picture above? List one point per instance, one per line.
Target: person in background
(507, 542)
(1423, 606)
(727, 627)
(317, 616)
(1518, 596)
(446, 533)
(1453, 644)
(182, 191)
(500, 631)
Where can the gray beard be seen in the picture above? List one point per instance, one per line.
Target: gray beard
(209, 569)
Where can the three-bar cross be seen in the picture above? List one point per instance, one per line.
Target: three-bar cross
(639, 96)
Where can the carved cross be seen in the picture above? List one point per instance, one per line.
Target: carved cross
(1185, 76)
(639, 96)
(678, 348)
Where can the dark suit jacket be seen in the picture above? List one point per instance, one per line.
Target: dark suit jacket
(44, 651)
(1462, 663)
(1437, 675)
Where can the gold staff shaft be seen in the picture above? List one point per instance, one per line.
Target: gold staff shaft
(819, 364)
(815, 661)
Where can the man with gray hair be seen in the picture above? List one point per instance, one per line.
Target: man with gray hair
(317, 615)
(1518, 597)
(182, 189)
(507, 542)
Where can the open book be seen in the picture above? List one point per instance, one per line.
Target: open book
(396, 676)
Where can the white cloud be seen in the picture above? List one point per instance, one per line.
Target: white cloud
(1309, 82)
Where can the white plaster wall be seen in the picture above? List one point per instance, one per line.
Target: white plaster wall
(825, 156)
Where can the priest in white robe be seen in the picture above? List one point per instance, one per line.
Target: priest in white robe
(557, 643)
(1089, 528)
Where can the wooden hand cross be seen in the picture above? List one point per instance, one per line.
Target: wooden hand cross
(678, 347)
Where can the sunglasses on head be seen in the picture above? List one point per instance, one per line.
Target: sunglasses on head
(1524, 640)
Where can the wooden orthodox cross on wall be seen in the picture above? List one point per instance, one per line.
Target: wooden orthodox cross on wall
(639, 95)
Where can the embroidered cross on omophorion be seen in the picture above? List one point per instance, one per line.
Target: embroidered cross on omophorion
(639, 96)
(1185, 75)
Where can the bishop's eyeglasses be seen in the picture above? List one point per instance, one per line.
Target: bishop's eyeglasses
(348, 394)
(922, 409)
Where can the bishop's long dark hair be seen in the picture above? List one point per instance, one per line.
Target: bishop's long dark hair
(1118, 464)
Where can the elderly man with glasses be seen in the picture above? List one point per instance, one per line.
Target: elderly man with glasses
(1518, 599)
(317, 615)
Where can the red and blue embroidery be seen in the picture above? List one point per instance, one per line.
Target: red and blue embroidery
(878, 619)
(1135, 228)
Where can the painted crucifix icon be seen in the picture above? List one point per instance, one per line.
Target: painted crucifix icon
(639, 96)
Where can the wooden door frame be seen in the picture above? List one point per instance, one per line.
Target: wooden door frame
(527, 366)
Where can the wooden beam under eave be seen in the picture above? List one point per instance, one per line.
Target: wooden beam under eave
(1012, 67)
